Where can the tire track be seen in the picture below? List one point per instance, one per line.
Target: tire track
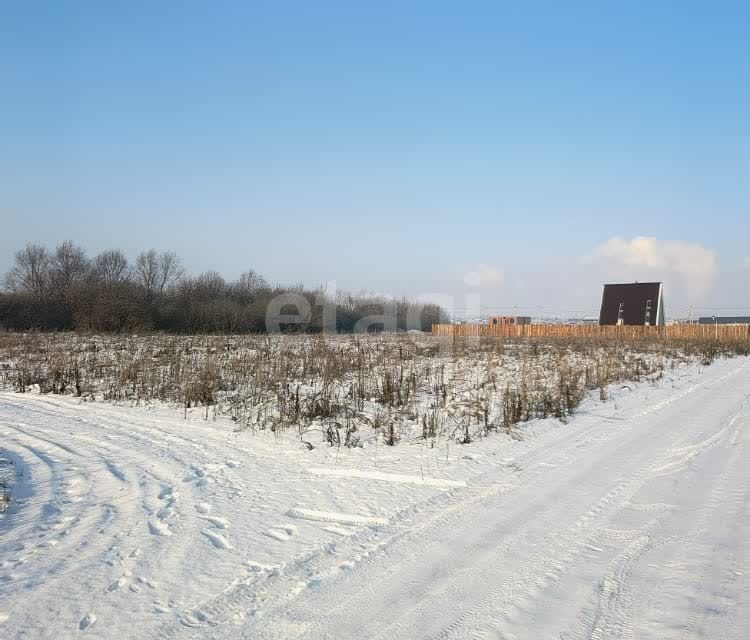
(532, 576)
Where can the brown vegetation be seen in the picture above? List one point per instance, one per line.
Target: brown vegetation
(400, 385)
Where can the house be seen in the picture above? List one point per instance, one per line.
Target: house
(724, 320)
(508, 321)
(633, 304)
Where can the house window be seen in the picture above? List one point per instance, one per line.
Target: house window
(648, 313)
(621, 314)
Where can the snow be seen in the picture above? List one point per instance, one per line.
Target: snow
(399, 478)
(628, 521)
(330, 516)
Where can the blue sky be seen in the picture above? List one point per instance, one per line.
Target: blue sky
(395, 147)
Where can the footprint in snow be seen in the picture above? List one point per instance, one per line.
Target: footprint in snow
(149, 583)
(282, 533)
(196, 619)
(198, 477)
(87, 621)
(48, 543)
(166, 491)
(167, 511)
(218, 540)
(159, 528)
(117, 584)
(219, 523)
(170, 497)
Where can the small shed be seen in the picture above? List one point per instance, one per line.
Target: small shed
(633, 304)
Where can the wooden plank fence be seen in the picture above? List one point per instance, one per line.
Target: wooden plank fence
(720, 332)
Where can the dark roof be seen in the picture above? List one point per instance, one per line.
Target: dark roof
(724, 320)
(634, 297)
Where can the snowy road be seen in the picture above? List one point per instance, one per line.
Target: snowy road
(629, 522)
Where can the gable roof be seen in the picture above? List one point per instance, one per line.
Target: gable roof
(634, 298)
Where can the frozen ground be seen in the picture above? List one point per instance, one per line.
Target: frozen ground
(629, 521)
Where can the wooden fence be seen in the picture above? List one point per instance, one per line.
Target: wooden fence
(721, 332)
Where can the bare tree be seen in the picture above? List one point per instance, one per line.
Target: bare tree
(31, 272)
(247, 287)
(69, 266)
(210, 285)
(157, 271)
(170, 270)
(252, 281)
(107, 294)
(112, 267)
(147, 270)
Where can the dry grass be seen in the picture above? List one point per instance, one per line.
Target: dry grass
(7, 473)
(397, 385)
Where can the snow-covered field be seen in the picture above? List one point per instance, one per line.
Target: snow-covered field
(147, 521)
(347, 389)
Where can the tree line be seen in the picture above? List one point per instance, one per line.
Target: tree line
(65, 289)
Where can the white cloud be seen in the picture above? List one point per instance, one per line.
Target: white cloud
(693, 265)
(483, 275)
